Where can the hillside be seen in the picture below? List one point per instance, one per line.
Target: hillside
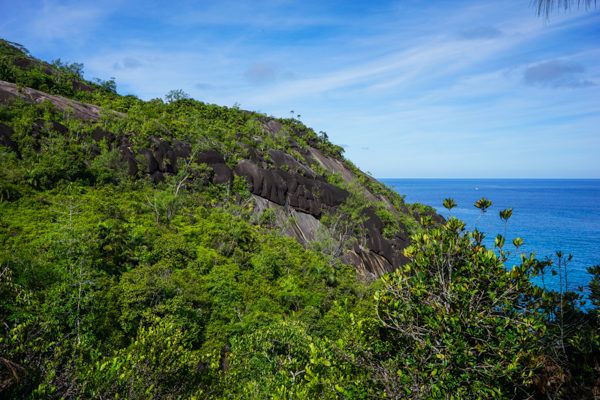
(296, 176)
(175, 249)
(116, 184)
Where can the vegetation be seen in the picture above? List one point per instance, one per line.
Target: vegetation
(116, 286)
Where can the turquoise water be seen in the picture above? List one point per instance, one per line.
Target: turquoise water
(549, 215)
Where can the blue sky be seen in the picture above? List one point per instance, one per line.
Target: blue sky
(409, 88)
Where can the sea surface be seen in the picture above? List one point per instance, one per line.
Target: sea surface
(548, 214)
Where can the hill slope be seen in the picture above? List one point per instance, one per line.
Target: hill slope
(148, 247)
(295, 175)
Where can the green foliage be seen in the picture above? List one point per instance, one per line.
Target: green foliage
(114, 286)
(108, 166)
(449, 204)
(109, 85)
(390, 224)
(506, 214)
(483, 204)
(282, 361)
(61, 78)
(71, 68)
(175, 95)
(159, 363)
(121, 304)
(450, 309)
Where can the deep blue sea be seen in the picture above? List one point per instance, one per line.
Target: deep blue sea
(548, 214)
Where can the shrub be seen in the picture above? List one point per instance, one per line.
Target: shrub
(457, 321)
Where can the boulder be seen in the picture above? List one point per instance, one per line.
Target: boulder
(28, 63)
(127, 155)
(99, 134)
(81, 86)
(273, 127)
(181, 149)
(212, 158)
(162, 158)
(164, 155)
(58, 127)
(149, 163)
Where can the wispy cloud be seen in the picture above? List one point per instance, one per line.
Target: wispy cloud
(261, 73)
(556, 73)
(57, 20)
(127, 63)
(433, 89)
(274, 15)
(480, 32)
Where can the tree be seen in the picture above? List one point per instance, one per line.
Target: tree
(175, 95)
(449, 311)
(109, 85)
(73, 68)
(505, 216)
(595, 287)
(449, 204)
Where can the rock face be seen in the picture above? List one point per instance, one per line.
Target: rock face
(128, 156)
(373, 257)
(390, 250)
(163, 157)
(301, 226)
(89, 112)
(283, 160)
(294, 190)
(308, 195)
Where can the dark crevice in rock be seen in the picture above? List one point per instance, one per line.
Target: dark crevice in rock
(6, 139)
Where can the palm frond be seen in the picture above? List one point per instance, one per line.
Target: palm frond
(546, 7)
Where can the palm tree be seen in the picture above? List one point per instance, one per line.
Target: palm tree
(505, 216)
(545, 7)
(482, 204)
(517, 242)
(449, 204)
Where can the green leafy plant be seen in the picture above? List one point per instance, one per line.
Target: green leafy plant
(449, 204)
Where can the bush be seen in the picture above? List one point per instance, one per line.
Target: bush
(457, 321)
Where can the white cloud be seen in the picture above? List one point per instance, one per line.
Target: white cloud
(56, 20)
(393, 79)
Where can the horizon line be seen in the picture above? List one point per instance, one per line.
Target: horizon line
(483, 178)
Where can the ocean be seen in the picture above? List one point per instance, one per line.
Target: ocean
(549, 214)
